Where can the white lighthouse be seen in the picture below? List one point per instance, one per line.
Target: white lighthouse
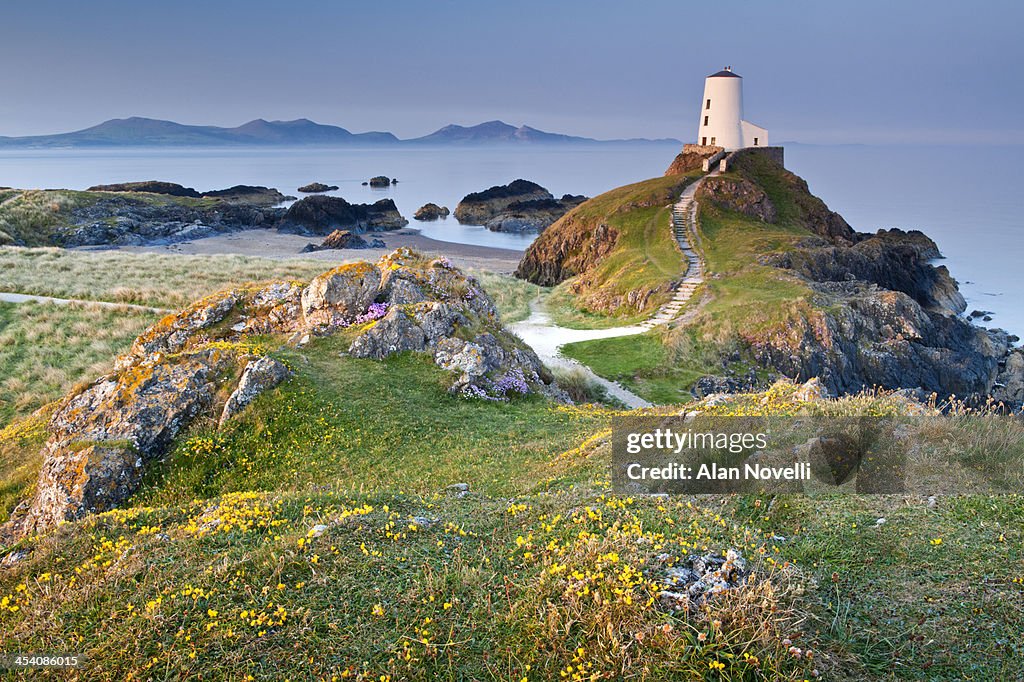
(721, 114)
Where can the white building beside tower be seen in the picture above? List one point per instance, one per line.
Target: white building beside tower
(721, 115)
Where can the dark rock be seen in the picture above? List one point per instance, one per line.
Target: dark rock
(251, 194)
(892, 259)
(151, 186)
(534, 215)
(380, 181)
(343, 239)
(431, 212)
(315, 187)
(320, 214)
(477, 208)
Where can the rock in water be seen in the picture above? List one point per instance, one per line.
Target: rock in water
(431, 212)
(533, 216)
(320, 214)
(102, 436)
(380, 181)
(315, 187)
(151, 186)
(479, 207)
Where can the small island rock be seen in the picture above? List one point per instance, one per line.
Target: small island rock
(315, 187)
(431, 211)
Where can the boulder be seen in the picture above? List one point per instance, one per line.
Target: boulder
(315, 187)
(101, 438)
(321, 215)
(431, 212)
(259, 376)
(343, 239)
(336, 297)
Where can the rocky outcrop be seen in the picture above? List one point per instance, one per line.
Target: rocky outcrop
(128, 217)
(740, 195)
(316, 187)
(259, 376)
(431, 212)
(859, 336)
(203, 363)
(891, 259)
(380, 181)
(321, 215)
(343, 239)
(533, 216)
(151, 186)
(477, 208)
(253, 194)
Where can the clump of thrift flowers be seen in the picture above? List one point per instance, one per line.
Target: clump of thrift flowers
(374, 312)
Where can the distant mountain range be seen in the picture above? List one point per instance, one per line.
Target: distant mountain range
(139, 132)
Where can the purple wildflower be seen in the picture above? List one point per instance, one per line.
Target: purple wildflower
(374, 312)
(513, 382)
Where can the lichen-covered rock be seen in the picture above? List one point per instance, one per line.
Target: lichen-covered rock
(259, 376)
(101, 438)
(396, 332)
(202, 362)
(335, 298)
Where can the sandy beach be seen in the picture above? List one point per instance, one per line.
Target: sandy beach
(273, 244)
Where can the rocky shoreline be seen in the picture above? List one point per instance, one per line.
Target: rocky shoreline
(159, 213)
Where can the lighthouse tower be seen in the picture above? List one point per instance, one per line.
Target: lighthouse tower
(721, 114)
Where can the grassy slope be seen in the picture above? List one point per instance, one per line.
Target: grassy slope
(645, 257)
(489, 590)
(522, 585)
(743, 299)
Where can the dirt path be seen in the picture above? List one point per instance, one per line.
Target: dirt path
(11, 297)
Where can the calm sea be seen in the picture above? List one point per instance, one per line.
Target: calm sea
(967, 199)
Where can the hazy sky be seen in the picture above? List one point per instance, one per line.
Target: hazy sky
(815, 71)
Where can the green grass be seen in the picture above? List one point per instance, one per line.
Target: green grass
(641, 364)
(313, 430)
(512, 296)
(645, 259)
(165, 281)
(45, 349)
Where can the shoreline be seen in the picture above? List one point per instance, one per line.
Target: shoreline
(269, 243)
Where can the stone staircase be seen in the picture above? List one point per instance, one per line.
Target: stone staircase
(684, 228)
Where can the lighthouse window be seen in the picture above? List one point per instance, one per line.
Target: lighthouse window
(712, 141)
(755, 141)
(708, 105)
(705, 120)
(704, 140)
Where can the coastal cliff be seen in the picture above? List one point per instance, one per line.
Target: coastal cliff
(792, 289)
